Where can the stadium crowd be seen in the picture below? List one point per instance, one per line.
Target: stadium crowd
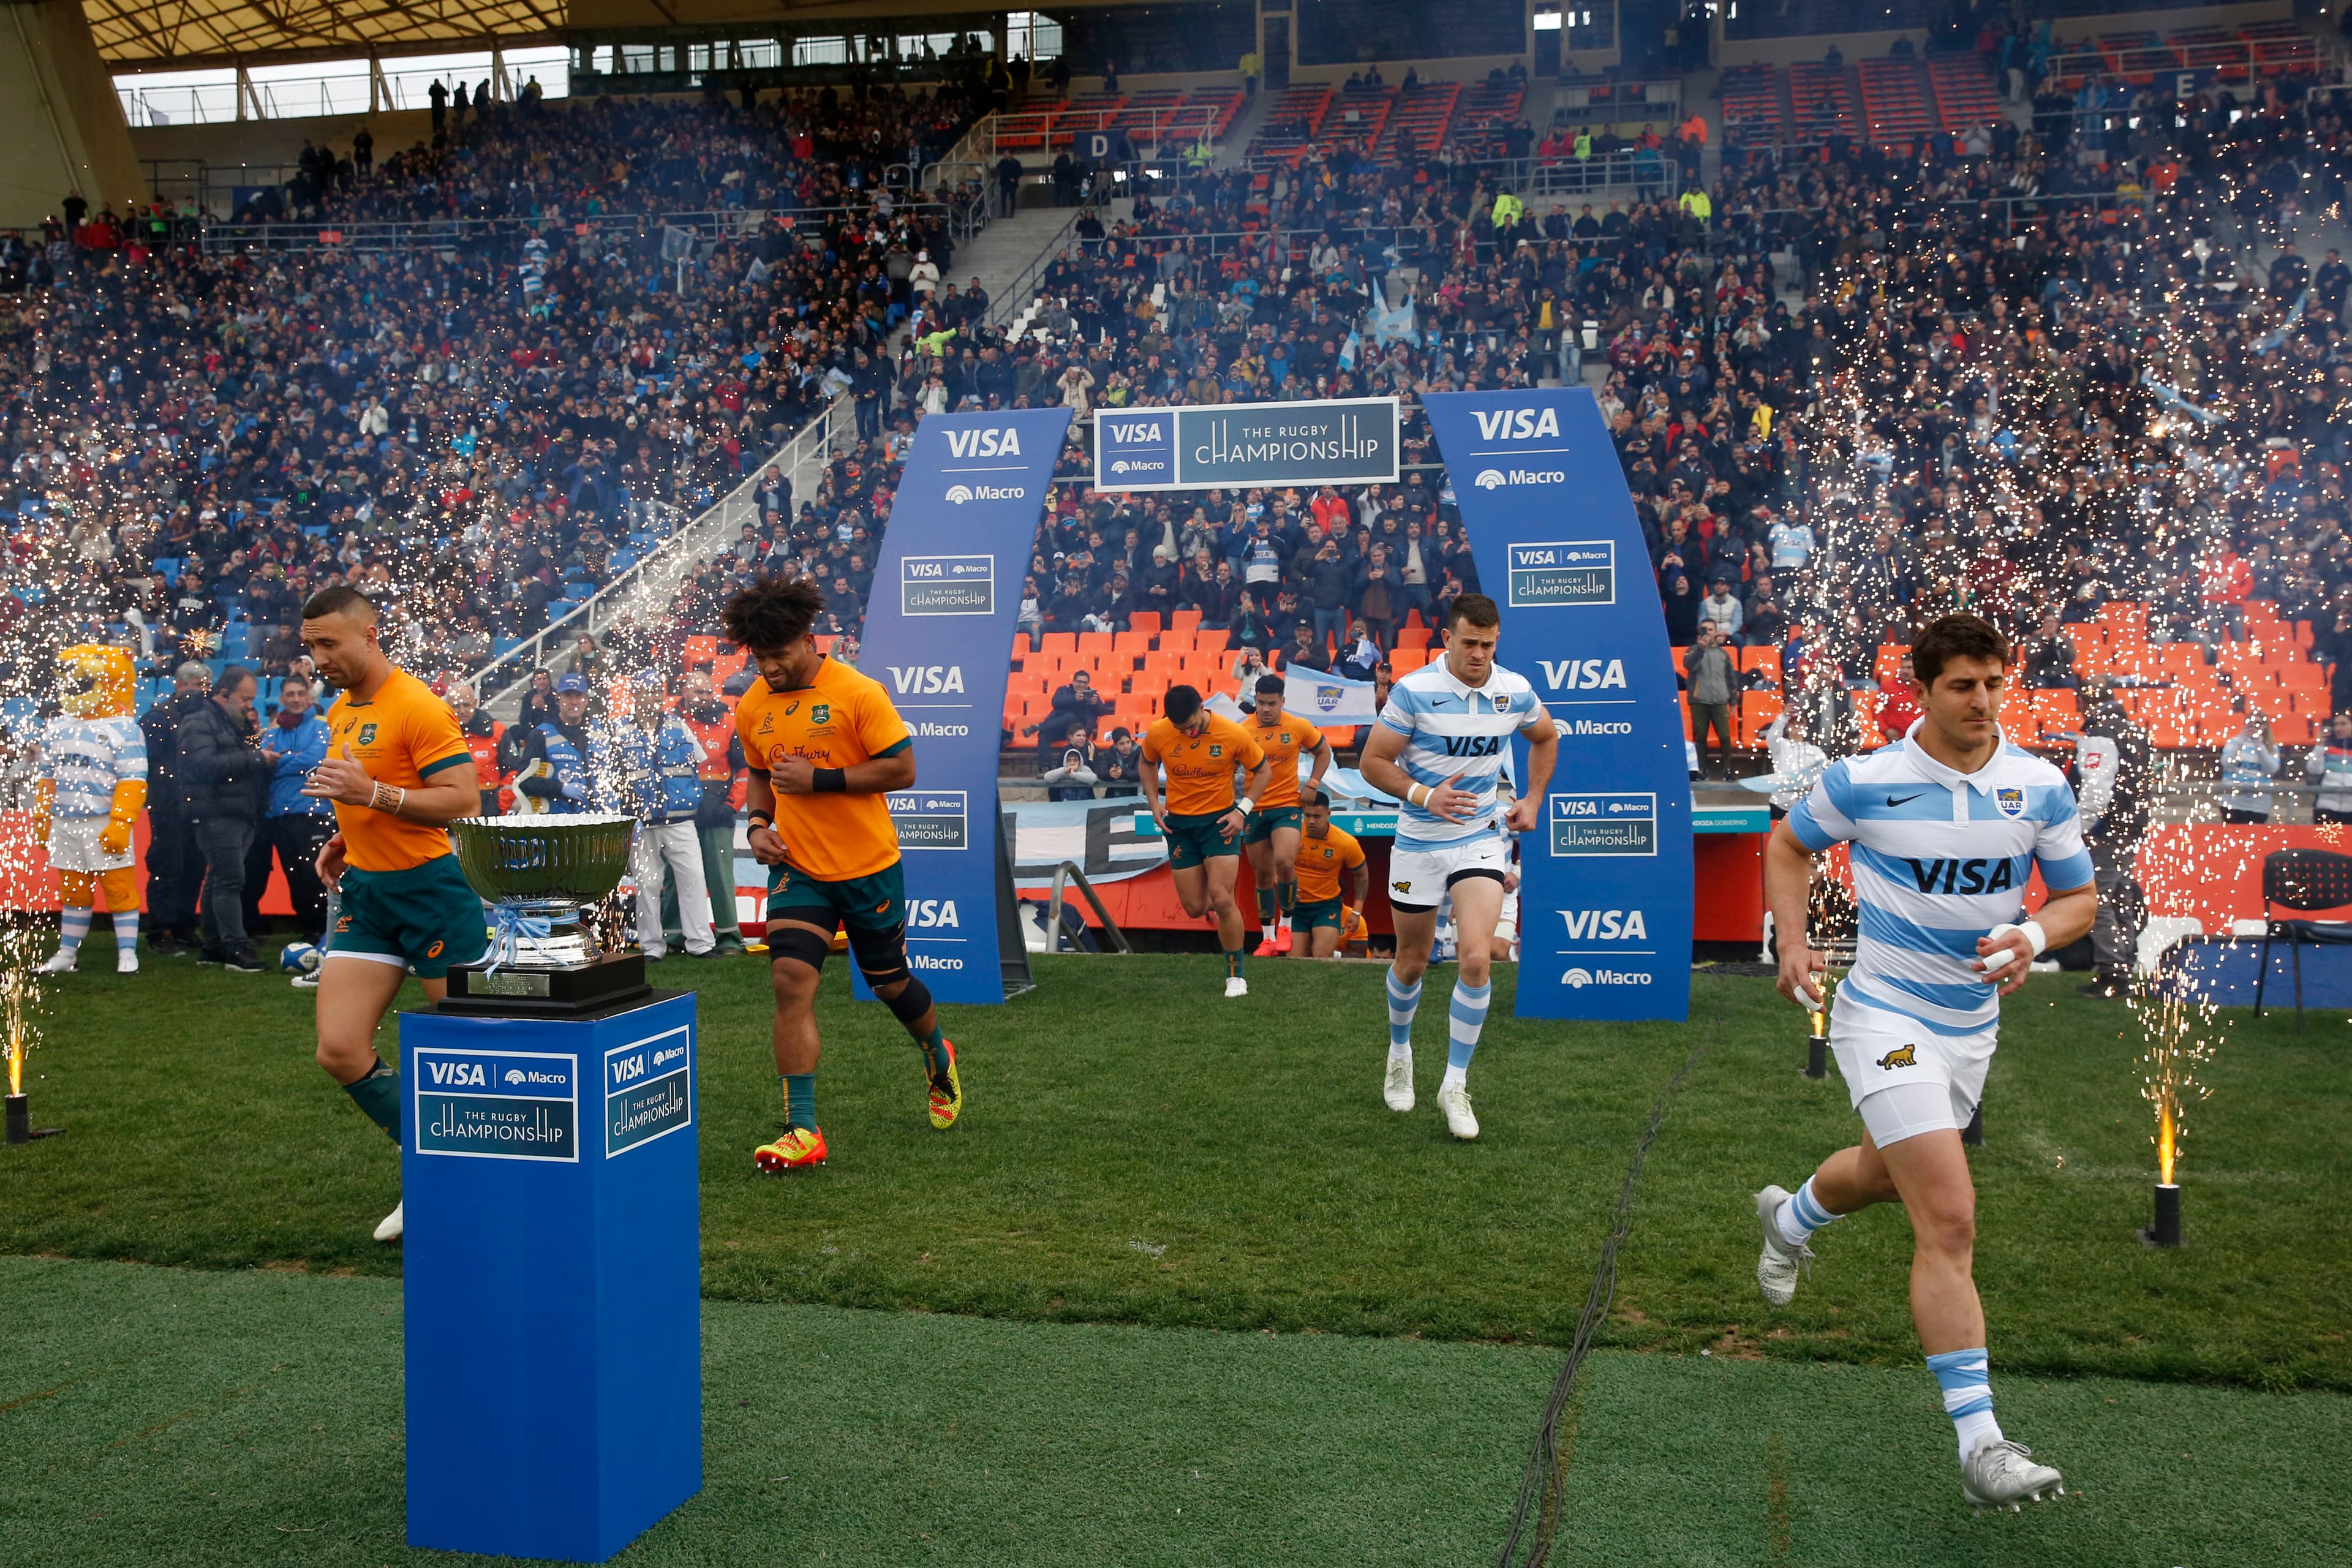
(191, 443)
(2029, 371)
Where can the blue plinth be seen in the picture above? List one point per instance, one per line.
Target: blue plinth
(553, 1278)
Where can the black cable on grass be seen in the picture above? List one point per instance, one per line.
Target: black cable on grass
(1541, 1487)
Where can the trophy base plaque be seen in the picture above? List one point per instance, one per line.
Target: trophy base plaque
(518, 992)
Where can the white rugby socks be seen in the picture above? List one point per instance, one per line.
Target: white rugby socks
(1801, 1216)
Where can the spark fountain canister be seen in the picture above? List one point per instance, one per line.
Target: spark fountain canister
(19, 995)
(2181, 1033)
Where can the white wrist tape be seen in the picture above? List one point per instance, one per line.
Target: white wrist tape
(2034, 936)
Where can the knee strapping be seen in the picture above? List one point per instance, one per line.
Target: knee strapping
(909, 1005)
(797, 942)
(880, 955)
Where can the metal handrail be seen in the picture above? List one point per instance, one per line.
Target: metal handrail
(1064, 874)
(370, 234)
(1019, 293)
(598, 611)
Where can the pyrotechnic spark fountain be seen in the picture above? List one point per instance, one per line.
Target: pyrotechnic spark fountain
(2182, 1034)
(20, 996)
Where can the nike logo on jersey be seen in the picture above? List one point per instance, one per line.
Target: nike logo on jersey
(1905, 801)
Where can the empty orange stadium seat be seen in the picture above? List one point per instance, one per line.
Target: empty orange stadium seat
(1404, 660)
(1183, 620)
(1145, 622)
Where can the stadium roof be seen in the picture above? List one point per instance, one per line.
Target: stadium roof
(173, 35)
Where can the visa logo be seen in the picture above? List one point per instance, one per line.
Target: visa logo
(1987, 876)
(915, 678)
(1583, 674)
(990, 443)
(1473, 745)
(1605, 925)
(1516, 424)
(628, 1069)
(456, 1075)
(1129, 431)
(937, 913)
(924, 569)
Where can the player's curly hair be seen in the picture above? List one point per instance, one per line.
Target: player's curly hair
(771, 613)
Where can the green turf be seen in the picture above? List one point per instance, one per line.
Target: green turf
(1137, 1149)
(158, 1417)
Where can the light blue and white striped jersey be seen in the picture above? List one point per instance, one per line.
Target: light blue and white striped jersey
(1450, 729)
(88, 757)
(1941, 858)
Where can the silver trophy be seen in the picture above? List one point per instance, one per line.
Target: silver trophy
(535, 873)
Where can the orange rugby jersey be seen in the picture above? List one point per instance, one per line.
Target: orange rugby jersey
(837, 720)
(403, 736)
(1284, 740)
(1201, 767)
(1321, 861)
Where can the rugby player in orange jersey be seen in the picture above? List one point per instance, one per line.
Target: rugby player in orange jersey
(825, 746)
(1272, 840)
(1325, 851)
(399, 771)
(1200, 817)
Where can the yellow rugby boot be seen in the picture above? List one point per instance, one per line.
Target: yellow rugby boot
(946, 1098)
(796, 1148)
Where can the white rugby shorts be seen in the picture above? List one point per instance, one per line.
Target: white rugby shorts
(73, 845)
(1418, 878)
(1904, 1079)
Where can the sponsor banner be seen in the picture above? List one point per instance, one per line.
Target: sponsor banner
(1337, 441)
(1327, 698)
(961, 530)
(494, 1105)
(649, 1090)
(1605, 922)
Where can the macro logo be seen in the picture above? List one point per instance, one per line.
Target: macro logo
(1577, 979)
(514, 1075)
(959, 494)
(1490, 479)
(1495, 478)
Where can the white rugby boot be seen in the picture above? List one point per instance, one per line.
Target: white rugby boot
(2001, 1474)
(126, 960)
(1235, 987)
(1397, 1087)
(391, 1227)
(1459, 1119)
(1778, 1265)
(61, 962)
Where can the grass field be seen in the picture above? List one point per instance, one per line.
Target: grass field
(167, 1416)
(1137, 1151)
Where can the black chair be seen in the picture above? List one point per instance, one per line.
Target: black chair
(2304, 881)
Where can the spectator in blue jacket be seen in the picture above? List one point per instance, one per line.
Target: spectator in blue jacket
(295, 826)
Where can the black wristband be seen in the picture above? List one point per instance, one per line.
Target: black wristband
(758, 821)
(830, 781)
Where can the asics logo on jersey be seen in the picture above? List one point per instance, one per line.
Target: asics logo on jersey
(1473, 745)
(1907, 1057)
(1904, 801)
(1987, 876)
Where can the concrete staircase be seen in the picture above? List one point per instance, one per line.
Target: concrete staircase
(1007, 247)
